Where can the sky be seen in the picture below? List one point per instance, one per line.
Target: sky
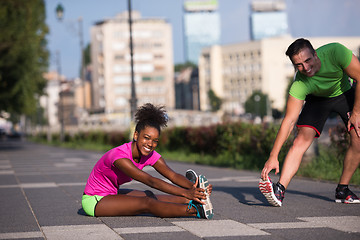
(306, 18)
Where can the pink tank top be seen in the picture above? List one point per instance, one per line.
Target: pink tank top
(105, 178)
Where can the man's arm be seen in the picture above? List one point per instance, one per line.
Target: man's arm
(293, 108)
(353, 71)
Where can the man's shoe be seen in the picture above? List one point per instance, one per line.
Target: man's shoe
(200, 209)
(192, 176)
(345, 195)
(274, 193)
(208, 208)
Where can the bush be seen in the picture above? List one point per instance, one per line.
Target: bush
(237, 145)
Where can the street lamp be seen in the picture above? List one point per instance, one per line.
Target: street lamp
(133, 99)
(60, 14)
(257, 99)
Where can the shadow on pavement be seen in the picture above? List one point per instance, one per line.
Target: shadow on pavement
(8, 144)
(81, 212)
(240, 193)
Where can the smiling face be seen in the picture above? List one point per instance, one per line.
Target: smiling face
(146, 140)
(306, 62)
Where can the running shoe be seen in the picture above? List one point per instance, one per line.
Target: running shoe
(192, 176)
(345, 196)
(208, 208)
(272, 192)
(201, 212)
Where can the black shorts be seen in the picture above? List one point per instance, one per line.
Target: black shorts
(317, 109)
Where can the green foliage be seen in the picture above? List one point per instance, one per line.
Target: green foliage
(181, 66)
(91, 140)
(87, 55)
(23, 54)
(215, 101)
(256, 104)
(237, 145)
(327, 166)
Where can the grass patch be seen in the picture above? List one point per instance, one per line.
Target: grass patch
(327, 166)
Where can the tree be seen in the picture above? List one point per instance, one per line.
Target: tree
(215, 101)
(23, 55)
(181, 66)
(256, 104)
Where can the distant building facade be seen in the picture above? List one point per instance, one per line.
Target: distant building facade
(187, 89)
(268, 19)
(235, 71)
(51, 100)
(111, 71)
(201, 27)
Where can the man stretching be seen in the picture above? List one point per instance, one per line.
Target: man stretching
(322, 83)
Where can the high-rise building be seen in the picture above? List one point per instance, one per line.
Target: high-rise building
(201, 27)
(152, 63)
(268, 19)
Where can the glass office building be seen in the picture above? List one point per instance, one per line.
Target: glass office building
(268, 19)
(201, 27)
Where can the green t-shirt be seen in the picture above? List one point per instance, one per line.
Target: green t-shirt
(330, 80)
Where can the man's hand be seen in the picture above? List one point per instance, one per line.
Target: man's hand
(271, 163)
(354, 120)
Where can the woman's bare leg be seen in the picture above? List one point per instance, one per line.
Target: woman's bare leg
(124, 205)
(160, 197)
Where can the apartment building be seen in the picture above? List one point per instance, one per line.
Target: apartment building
(235, 71)
(111, 68)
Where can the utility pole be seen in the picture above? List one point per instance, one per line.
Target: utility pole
(133, 99)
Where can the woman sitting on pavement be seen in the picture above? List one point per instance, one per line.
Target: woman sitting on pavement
(102, 196)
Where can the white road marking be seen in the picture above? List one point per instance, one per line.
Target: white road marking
(6, 172)
(235, 179)
(21, 235)
(148, 229)
(38, 185)
(200, 228)
(79, 232)
(340, 223)
(65, 164)
(43, 185)
(219, 228)
(74, 160)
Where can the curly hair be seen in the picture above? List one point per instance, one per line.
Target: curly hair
(149, 115)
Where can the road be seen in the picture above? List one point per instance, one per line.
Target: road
(41, 188)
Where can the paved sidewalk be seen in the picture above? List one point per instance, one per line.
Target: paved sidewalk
(41, 189)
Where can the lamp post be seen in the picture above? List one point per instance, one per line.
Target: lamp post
(61, 95)
(257, 99)
(60, 15)
(133, 99)
(59, 12)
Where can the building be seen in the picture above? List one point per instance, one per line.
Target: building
(268, 19)
(51, 100)
(201, 27)
(111, 68)
(235, 71)
(187, 89)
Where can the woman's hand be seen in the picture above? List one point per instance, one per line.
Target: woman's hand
(196, 194)
(209, 189)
